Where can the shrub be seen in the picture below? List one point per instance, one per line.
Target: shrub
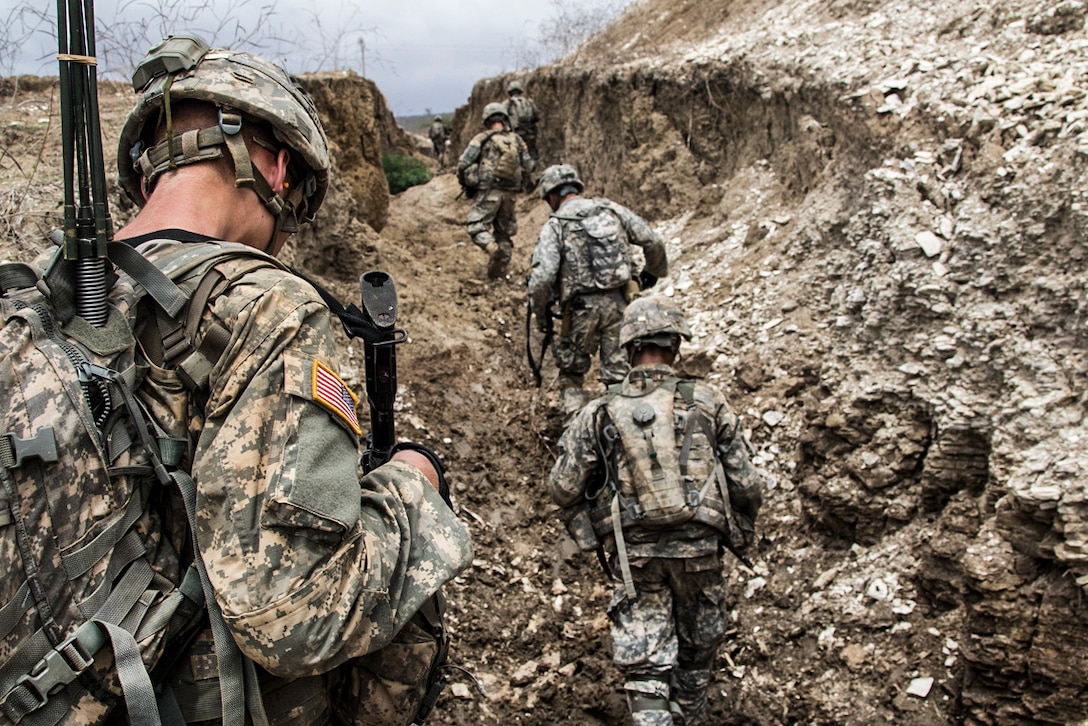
(404, 171)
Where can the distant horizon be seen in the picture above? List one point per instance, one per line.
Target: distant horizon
(422, 54)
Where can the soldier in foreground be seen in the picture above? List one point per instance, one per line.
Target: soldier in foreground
(524, 115)
(583, 260)
(312, 565)
(658, 475)
(492, 170)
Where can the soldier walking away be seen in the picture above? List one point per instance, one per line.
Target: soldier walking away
(658, 477)
(583, 260)
(313, 565)
(438, 134)
(523, 114)
(491, 170)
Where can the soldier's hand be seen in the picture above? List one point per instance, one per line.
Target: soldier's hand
(646, 280)
(428, 463)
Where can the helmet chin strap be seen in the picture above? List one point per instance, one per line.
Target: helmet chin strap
(246, 174)
(214, 142)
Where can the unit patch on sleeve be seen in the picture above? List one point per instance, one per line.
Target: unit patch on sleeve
(330, 392)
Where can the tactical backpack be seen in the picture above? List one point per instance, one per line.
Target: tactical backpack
(89, 551)
(520, 112)
(596, 244)
(502, 159)
(662, 467)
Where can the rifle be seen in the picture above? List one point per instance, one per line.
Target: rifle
(87, 225)
(549, 334)
(379, 301)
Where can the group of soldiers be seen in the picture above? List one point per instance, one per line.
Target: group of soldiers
(656, 475)
(317, 568)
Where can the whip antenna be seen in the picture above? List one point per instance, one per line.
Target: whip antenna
(87, 224)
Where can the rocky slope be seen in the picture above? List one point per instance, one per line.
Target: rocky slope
(876, 221)
(877, 214)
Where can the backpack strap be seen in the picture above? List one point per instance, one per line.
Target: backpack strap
(609, 449)
(237, 674)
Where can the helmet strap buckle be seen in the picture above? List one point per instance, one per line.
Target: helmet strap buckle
(230, 123)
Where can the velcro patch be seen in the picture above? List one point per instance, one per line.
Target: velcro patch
(329, 390)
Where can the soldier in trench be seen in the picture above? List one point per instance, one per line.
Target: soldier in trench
(658, 475)
(583, 260)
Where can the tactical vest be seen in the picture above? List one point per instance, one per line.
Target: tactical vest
(89, 482)
(663, 470)
(596, 253)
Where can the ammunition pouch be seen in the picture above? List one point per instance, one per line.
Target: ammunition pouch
(581, 529)
(399, 684)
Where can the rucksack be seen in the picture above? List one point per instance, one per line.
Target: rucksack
(662, 467)
(520, 111)
(596, 245)
(90, 557)
(503, 158)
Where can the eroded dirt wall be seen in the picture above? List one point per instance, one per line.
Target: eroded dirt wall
(888, 271)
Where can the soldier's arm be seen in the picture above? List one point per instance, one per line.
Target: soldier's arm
(310, 566)
(745, 479)
(527, 161)
(640, 232)
(579, 459)
(469, 156)
(545, 267)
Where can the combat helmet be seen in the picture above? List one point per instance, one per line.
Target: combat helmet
(495, 109)
(437, 118)
(514, 87)
(655, 320)
(558, 175)
(240, 85)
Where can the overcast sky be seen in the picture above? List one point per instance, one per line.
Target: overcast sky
(425, 55)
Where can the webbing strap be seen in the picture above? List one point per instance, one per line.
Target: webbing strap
(135, 681)
(238, 683)
(621, 548)
(129, 549)
(161, 288)
(78, 561)
(13, 612)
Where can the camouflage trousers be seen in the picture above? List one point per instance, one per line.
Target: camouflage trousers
(594, 324)
(666, 639)
(493, 209)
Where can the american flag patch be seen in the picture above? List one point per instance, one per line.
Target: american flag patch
(331, 393)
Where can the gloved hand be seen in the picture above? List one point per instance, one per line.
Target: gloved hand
(439, 466)
(646, 280)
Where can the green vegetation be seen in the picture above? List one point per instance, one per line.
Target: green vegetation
(404, 171)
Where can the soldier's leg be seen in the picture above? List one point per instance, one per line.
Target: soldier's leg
(644, 644)
(572, 359)
(614, 364)
(699, 592)
(506, 226)
(480, 217)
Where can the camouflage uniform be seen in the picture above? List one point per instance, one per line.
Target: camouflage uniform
(437, 134)
(666, 638)
(524, 118)
(591, 316)
(312, 564)
(493, 201)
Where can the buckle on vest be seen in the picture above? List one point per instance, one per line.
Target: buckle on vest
(53, 672)
(14, 449)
